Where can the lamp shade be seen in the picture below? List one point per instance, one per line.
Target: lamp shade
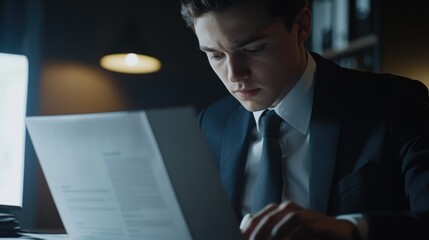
(127, 54)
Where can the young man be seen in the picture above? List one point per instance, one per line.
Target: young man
(355, 145)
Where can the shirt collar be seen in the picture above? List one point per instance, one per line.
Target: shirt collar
(295, 108)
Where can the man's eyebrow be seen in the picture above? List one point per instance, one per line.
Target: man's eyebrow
(248, 41)
(237, 45)
(207, 49)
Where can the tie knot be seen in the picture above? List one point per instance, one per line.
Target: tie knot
(270, 124)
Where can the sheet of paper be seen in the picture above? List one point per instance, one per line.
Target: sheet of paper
(107, 177)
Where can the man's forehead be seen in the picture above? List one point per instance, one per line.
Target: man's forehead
(214, 38)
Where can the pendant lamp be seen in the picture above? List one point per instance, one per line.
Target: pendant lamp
(128, 53)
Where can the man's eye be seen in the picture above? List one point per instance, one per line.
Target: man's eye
(216, 56)
(254, 50)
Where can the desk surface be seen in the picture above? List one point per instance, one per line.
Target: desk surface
(39, 236)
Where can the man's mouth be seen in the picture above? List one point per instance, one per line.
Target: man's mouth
(246, 93)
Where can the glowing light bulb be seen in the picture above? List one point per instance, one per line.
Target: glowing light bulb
(131, 59)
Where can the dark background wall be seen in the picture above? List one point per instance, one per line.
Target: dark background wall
(404, 35)
(77, 33)
(65, 39)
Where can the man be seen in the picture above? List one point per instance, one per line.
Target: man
(355, 145)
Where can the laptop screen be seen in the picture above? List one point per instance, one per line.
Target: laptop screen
(13, 102)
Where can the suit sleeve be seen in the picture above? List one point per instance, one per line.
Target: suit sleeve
(410, 134)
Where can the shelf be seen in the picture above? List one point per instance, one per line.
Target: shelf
(353, 47)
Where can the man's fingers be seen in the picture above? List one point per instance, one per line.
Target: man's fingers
(253, 221)
(261, 225)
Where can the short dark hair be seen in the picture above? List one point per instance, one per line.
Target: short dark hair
(286, 9)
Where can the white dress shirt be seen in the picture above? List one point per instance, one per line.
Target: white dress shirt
(295, 110)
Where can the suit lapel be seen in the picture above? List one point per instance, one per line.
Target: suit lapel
(328, 109)
(234, 153)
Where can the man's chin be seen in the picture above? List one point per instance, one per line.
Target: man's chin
(252, 106)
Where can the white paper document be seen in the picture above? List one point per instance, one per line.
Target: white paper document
(109, 179)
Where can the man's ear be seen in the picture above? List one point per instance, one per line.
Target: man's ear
(304, 23)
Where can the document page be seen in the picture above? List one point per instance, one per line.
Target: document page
(107, 176)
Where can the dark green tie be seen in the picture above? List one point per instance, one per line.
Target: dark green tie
(269, 183)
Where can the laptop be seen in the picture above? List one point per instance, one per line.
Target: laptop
(133, 175)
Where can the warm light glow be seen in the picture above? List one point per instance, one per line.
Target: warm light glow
(130, 63)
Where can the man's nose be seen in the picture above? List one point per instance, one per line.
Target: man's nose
(238, 69)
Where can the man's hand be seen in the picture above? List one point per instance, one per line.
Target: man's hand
(288, 221)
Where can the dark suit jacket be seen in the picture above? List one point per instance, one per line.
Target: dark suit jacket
(369, 143)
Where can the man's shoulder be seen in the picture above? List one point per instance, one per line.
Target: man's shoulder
(367, 82)
(218, 113)
(386, 84)
(214, 119)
